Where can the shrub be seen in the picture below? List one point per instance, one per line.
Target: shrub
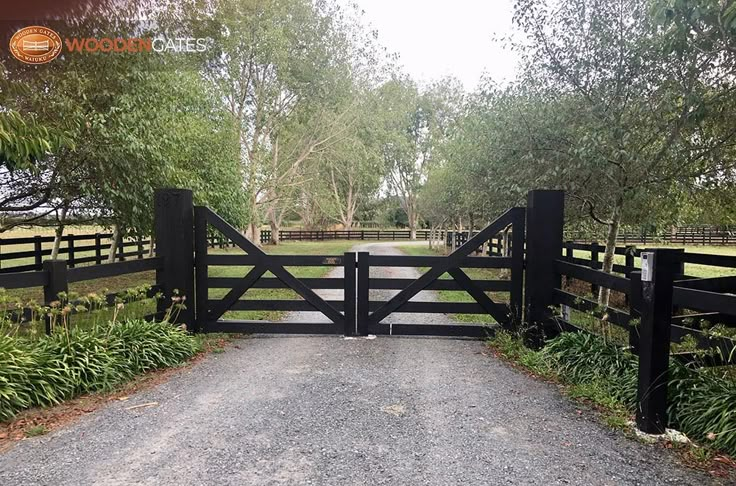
(583, 358)
(47, 370)
(147, 345)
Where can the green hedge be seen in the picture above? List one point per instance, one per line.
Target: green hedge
(73, 361)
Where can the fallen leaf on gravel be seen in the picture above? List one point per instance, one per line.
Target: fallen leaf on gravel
(122, 399)
(142, 405)
(396, 410)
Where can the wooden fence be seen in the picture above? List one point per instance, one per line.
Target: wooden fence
(55, 277)
(27, 253)
(662, 305)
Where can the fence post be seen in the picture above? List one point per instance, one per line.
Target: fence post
(629, 261)
(363, 293)
(121, 248)
(350, 294)
(140, 247)
(594, 264)
(518, 217)
(174, 230)
(98, 249)
(545, 218)
(569, 256)
(657, 276)
(70, 250)
(201, 273)
(38, 252)
(57, 282)
(635, 305)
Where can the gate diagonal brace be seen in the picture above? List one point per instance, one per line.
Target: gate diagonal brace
(497, 311)
(236, 292)
(451, 261)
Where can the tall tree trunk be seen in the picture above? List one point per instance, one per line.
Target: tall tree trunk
(58, 233)
(253, 230)
(614, 224)
(114, 243)
(151, 247)
(253, 233)
(411, 215)
(275, 224)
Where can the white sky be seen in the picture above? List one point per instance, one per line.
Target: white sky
(435, 38)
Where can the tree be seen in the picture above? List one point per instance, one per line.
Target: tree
(416, 125)
(631, 117)
(282, 67)
(134, 123)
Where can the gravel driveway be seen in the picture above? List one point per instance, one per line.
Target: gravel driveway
(330, 411)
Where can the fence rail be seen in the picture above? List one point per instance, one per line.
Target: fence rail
(632, 258)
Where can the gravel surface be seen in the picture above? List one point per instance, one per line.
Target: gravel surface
(331, 411)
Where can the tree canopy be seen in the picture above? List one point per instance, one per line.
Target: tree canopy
(296, 112)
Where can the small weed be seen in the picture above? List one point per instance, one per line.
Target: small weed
(36, 430)
(702, 454)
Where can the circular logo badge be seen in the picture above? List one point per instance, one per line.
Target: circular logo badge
(35, 45)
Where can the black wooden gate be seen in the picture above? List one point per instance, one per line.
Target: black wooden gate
(370, 314)
(354, 313)
(339, 314)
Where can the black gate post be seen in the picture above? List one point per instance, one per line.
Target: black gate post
(349, 294)
(518, 234)
(174, 231)
(658, 271)
(545, 218)
(363, 294)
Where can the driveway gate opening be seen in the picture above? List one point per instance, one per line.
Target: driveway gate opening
(355, 313)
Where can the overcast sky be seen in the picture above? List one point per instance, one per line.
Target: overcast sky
(435, 38)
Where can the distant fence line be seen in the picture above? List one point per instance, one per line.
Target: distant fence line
(326, 235)
(685, 235)
(28, 253)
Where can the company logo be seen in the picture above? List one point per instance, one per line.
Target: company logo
(39, 45)
(35, 45)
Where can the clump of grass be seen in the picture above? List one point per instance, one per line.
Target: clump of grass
(73, 361)
(703, 405)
